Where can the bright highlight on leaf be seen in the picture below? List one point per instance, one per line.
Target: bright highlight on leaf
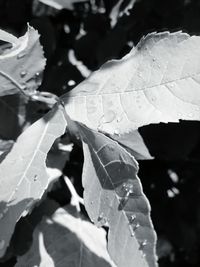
(23, 172)
(21, 65)
(66, 239)
(158, 81)
(61, 4)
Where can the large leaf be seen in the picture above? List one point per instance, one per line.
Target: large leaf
(158, 81)
(113, 196)
(23, 171)
(21, 65)
(66, 239)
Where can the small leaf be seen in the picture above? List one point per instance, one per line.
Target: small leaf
(66, 239)
(158, 81)
(113, 196)
(23, 171)
(21, 65)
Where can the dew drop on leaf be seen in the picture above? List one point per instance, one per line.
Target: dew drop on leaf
(109, 116)
(132, 218)
(127, 188)
(136, 226)
(2, 244)
(116, 132)
(20, 56)
(101, 220)
(23, 73)
(143, 244)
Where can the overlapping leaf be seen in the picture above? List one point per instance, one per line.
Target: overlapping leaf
(23, 171)
(158, 81)
(113, 196)
(21, 65)
(66, 239)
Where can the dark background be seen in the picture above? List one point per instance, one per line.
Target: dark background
(176, 147)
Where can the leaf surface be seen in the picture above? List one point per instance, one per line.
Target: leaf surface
(66, 239)
(20, 66)
(23, 171)
(61, 4)
(158, 81)
(113, 196)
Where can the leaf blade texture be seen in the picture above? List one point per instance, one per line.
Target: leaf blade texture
(23, 171)
(22, 64)
(158, 81)
(66, 239)
(113, 196)
(61, 4)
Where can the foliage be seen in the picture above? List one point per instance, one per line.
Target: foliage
(157, 81)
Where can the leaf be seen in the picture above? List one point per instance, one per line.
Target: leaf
(20, 66)
(61, 4)
(66, 239)
(133, 142)
(158, 81)
(113, 196)
(23, 171)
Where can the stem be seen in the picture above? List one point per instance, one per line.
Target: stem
(19, 86)
(76, 200)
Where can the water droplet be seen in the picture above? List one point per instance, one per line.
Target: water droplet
(154, 59)
(1, 216)
(101, 220)
(119, 118)
(35, 177)
(132, 218)
(71, 83)
(171, 85)
(197, 108)
(109, 116)
(136, 226)
(2, 244)
(64, 87)
(20, 56)
(128, 188)
(116, 131)
(23, 73)
(143, 244)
